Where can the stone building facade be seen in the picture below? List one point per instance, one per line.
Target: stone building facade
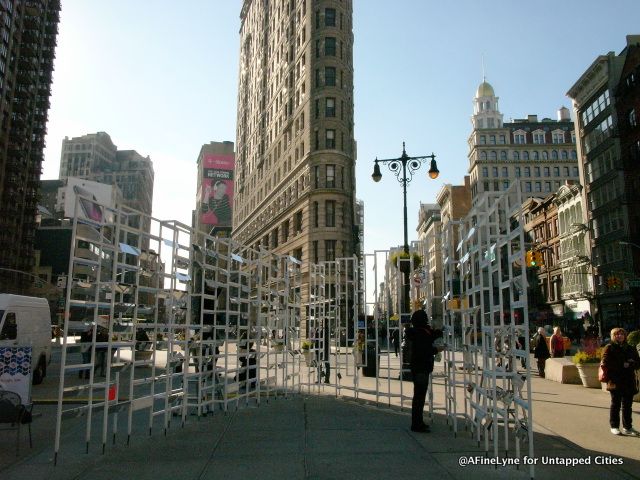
(295, 149)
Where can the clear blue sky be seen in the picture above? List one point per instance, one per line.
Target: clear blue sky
(160, 77)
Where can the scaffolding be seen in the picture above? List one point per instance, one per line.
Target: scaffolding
(487, 324)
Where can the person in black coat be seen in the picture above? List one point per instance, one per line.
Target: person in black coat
(541, 351)
(422, 352)
(620, 360)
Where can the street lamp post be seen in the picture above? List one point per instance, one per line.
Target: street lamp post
(404, 168)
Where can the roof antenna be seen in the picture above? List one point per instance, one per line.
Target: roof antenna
(484, 77)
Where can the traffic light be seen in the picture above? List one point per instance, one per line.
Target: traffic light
(528, 259)
(538, 259)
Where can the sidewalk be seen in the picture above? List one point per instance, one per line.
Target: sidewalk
(321, 437)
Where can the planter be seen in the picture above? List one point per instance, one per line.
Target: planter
(309, 358)
(589, 374)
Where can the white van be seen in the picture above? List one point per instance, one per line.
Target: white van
(26, 321)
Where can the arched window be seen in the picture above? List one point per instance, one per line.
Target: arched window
(516, 155)
(554, 154)
(565, 156)
(536, 156)
(574, 155)
(503, 155)
(483, 155)
(545, 156)
(493, 155)
(525, 155)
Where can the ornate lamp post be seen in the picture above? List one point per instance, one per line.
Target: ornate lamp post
(404, 168)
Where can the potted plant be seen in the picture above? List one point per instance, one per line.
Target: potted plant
(587, 361)
(634, 339)
(403, 258)
(307, 353)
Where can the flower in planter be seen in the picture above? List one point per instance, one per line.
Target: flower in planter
(401, 257)
(588, 355)
(306, 345)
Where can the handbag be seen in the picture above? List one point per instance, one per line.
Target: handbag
(603, 374)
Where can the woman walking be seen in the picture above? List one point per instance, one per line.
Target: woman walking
(620, 360)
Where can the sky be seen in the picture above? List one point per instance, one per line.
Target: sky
(160, 77)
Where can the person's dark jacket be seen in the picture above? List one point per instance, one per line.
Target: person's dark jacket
(541, 349)
(620, 378)
(422, 350)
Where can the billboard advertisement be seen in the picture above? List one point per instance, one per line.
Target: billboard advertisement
(94, 197)
(216, 195)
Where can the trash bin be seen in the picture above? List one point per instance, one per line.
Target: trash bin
(372, 361)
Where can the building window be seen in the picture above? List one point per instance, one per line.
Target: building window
(576, 173)
(492, 139)
(538, 187)
(316, 215)
(502, 140)
(483, 139)
(503, 155)
(494, 171)
(558, 137)
(331, 176)
(527, 171)
(547, 186)
(517, 171)
(556, 171)
(330, 139)
(527, 186)
(505, 185)
(632, 118)
(505, 171)
(545, 155)
(566, 171)
(329, 17)
(316, 176)
(485, 172)
(535, 156)
(516, 155)
(330, 213)
(538, 137)
(316, 256)
(297, 222)
(525, 155)
(519, 138)
(546, 171)
(330, 46)
(330, 107)
(330, 76)
(330, 250)
(493, 155)
(536, 171)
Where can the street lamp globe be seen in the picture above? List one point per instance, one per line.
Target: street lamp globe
(433, 170)
(377, 175)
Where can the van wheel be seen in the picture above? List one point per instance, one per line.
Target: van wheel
(40, 372)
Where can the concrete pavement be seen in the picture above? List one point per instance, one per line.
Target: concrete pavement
(322, 437)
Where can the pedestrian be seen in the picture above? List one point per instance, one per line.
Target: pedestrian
(358, 350)
(395, 340)
(323, 349)
(557, 343)
(102, 336)
(421, 351)
(540, 350)
(86, 339)
(620, 360)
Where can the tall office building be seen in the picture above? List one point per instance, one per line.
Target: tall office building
(27, 44)
(605, 100)
(95, 157)
(540, 154)
(295, 151)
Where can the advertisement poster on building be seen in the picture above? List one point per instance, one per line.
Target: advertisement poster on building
(217, 191)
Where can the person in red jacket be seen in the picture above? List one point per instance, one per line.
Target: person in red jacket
(557, 343)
